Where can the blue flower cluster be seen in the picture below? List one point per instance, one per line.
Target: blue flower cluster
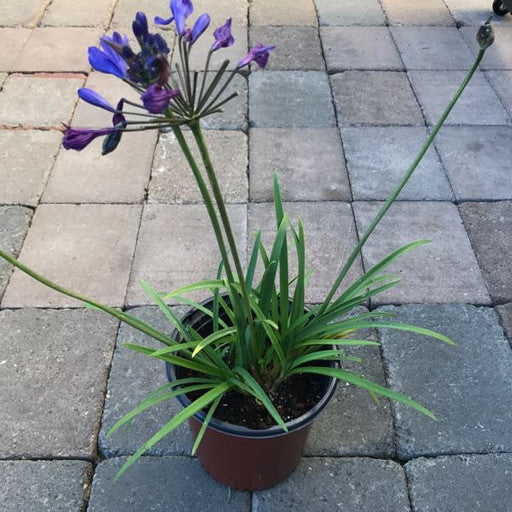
(166, 101)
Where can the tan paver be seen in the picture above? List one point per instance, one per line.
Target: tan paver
(350, 12)
(176, 247)
(78, 13)
(38, 100)
(220, 11)
(19, 12)
(375, 98)
(444, 271)
(89, 177)
(296, 47)
(53, 381)
(26, 158)
(284, 12)
(309, 162)
(58, 49)
(172, 180)
(125, 11)
(87, 248)
(13, 41)
(425, 12)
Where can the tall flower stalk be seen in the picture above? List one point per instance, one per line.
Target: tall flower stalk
(261, 333)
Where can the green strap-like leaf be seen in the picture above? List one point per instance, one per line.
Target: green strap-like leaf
(334, 341)
(199, 307)
(261, 395)
(283, 261)
(320, 355)
(215, 336)
(176, 421)
(253, 261)
(166, 310)
(205, 424)
(361, 283)
(201, 367)
(359, 381)
(209, 284)
(148, 403)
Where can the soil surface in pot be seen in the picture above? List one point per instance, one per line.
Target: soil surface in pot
(294, 397)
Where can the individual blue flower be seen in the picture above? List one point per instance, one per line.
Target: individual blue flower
(95, 99)
(157, 98)
(181, 10)
(201, 24)
(140, 28)
(223, 37)
(258, 54)
(163, 21)
(107, 60)
(80, 138)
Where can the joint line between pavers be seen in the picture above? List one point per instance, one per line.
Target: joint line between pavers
(333, 104)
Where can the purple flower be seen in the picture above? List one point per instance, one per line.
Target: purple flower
(181, 10)
(95, 99)
(140, 28)
(201, 24)
(163, 21)
(258, 54)
(223, 37)
(156, 98)
(107, 60)
(79, 138)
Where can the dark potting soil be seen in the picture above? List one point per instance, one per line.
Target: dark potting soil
(295, 396)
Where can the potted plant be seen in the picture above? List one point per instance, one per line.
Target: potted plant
(252, 365)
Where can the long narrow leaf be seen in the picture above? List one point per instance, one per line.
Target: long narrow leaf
(283, 261)
(253, 261)
(379, 267)
(219, 335)
(261, 395)
(166, 310)
(199, 307)
(359, 381)
(334, 341)
(178, 361)
(175, 422)
(209, 284)
(147, 404)
(206, 422)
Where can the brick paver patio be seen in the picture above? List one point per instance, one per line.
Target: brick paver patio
(348, 96)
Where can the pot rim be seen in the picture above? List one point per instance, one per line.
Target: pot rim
(239, 431)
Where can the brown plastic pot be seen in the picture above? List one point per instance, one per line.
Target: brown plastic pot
(247, 459)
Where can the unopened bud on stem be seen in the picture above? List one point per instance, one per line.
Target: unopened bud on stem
(485, 35)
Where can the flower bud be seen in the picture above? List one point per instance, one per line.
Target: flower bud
(485, 35)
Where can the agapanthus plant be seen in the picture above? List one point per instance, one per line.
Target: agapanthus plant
(262, 332)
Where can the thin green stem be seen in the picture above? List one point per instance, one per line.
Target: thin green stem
(205, 74)
(107, 309)
(222, 89)
(217, 194)
(206, 198)
(391, 199)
